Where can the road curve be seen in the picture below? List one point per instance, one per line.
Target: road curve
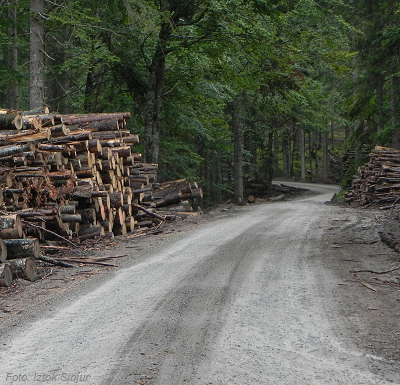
(243, 299)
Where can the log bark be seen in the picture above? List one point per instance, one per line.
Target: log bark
(16, 149)
(29, 136)
(44, 258)
(11, 121)
(88, 215)
(103, 125)
(91, 232)
(277, 199)
(24, 268)
(3, 251)
(89, 118)
(55, 147)
(71, 218)
(76, 137)
(148, 212)
(59, 130)
(123, 152)
(22, 248)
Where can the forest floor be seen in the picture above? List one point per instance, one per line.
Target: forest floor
(368, 270)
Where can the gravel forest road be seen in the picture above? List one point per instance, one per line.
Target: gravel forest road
(242, 299)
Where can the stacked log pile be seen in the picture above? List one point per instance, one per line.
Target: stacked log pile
(378, 181)
(74, 176)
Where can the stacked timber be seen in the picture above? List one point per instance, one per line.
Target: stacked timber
(378, 181)
(69, 173)
(17, 254)
(76, 177)
(168, 199)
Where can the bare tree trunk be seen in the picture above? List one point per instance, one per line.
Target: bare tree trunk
(310, 151)
(295, 144)
(238, 142)
(269, 161)
(276, 151)
(155, 95)
(286, 154)
(12, 92)
(317, 148)
(379, 101)
(36, 79)
(325, 152)
(302, 155)
(394, 107)
(154, 104)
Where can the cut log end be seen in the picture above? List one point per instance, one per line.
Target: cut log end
(5, 275)
(24, 268)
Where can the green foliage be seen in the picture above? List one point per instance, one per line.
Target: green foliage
(293, 61)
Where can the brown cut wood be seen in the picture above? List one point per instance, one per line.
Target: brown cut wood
(36, 111)
(24, 268)
(59, 130)
(10, 226)
(88, 118)
(95, 146)
(5, 275)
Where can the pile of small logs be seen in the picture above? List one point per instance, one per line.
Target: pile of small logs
(378, 181)
(76, 177)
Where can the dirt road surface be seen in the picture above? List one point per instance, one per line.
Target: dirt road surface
(258, 295)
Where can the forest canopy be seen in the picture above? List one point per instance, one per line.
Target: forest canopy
(227, 93)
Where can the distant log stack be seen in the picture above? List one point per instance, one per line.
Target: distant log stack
(378, 181)
(75, 176)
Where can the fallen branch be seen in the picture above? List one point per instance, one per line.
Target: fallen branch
(149, 212)
(277, 199)
(50, 232)
(86, 262)
(369, 286)
(54, 261)
(375, 272)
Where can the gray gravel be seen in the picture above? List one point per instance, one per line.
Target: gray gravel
(243, 299)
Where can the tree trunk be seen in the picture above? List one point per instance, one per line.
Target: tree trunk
(302, 155)
(325, 160)
(286, 154)
(276, 158)
(394, 107)
(238, 143)
(12, 94)
(269, 161)
(379, 102)
(154, 104)
(36, 79)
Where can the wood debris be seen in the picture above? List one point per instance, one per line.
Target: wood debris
(378, 181)
(74, 178)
